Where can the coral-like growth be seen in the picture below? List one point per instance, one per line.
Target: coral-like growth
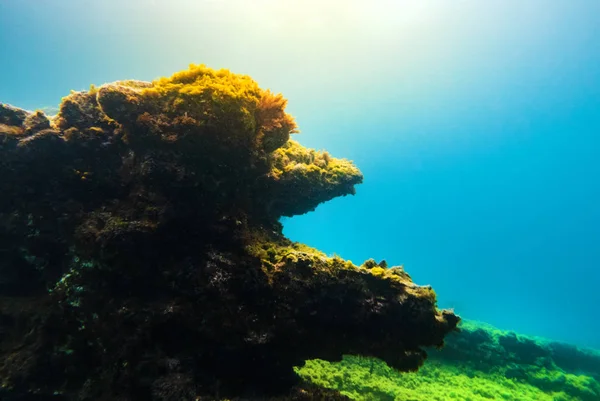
(142, 257)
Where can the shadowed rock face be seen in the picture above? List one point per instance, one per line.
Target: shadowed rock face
(141, 256)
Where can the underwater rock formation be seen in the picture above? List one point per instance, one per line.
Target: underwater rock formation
(141, 255)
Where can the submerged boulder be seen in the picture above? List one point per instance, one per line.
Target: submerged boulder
(142, 258)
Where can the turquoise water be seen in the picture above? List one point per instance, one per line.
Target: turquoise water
(475, 124)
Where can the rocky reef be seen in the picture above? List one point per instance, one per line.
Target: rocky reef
(142, 258)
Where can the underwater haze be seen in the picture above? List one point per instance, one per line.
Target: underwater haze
(476, 125)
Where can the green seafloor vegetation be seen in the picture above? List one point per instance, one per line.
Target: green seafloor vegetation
(478, 363)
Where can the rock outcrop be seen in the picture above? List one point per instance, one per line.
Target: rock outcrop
(141, 257)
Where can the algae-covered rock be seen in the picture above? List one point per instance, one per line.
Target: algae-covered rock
(141, 256)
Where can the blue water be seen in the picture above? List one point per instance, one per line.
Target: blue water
(475, 123)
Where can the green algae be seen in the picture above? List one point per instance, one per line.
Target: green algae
(369, 380)
(462, 371)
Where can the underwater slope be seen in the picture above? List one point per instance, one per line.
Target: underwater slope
(142, 257)
(478, 363)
